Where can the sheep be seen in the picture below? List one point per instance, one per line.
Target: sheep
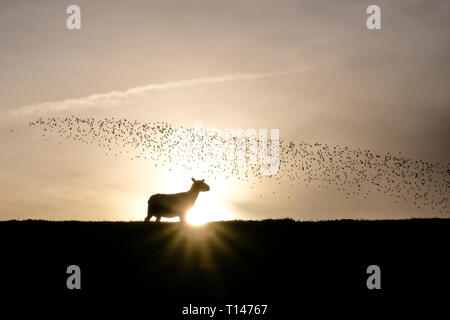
(176, 204)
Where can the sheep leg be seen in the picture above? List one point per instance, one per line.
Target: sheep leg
(149, 215)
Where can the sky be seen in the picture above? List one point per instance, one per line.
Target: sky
(311, 69)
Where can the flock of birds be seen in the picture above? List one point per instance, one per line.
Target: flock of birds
(354, 172)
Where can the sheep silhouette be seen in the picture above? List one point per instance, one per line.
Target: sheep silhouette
(176, 204)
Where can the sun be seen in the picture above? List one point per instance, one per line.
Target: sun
(195, 218)
(208, 208)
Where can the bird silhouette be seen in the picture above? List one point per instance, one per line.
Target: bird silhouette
(352, 171)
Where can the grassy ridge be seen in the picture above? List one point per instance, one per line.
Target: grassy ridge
(271, 260)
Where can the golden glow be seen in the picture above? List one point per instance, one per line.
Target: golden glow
(194, 219)
(208, 207)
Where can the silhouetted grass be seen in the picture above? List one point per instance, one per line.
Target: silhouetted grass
(269, 260)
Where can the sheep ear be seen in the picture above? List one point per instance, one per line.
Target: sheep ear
(193, 180)
(203, 180)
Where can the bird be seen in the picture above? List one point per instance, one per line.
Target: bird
(354, 172)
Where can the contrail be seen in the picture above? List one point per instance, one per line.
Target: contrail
(94, 100)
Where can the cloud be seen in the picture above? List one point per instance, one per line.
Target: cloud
(100, 99)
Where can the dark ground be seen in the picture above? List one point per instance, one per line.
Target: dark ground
(283, 263)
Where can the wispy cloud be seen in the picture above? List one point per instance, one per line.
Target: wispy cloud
(108, 98)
